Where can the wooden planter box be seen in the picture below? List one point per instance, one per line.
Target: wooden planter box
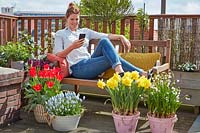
(10, 95)
(189, 82)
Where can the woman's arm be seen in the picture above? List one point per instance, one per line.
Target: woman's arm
(123, 39)
(74, 45)
(65, 52)
(115, 37)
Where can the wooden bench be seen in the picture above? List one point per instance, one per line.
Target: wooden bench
(146, 46)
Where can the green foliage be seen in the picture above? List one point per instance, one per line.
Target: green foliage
(143, 20)
(106, 10)
(26, 39)
(34, 98)
(21, 50)
(3, 57)
(16, 51)
(127, 29)
(163, 97)
(13, 52)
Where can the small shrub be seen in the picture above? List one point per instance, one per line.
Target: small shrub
(188, 67)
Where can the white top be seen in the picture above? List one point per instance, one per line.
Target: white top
(65, 37)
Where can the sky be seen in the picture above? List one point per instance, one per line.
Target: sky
(151, 6)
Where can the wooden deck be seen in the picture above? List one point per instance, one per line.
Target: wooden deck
(97, 119)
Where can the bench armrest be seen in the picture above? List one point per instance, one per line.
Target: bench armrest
(161, 68)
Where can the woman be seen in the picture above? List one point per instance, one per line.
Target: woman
(81, 63)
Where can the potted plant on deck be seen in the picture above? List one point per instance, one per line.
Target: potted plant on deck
(64, 111)
(125, 92)
(15, 54)
(42, 84)
(188, 75)
(163, 102)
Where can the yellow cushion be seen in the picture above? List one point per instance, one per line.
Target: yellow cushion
(144, 61)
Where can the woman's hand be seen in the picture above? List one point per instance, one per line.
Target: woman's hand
(125, 42)
(78, 43)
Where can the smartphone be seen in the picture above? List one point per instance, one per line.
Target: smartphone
(81, 36)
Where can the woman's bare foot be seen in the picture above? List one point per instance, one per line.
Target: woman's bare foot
(144, 74)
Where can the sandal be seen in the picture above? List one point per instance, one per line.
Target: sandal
(150, 74)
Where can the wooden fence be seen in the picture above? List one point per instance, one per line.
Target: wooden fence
(183, 30)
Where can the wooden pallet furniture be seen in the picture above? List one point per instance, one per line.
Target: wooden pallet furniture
(162, 46)
(190, 88)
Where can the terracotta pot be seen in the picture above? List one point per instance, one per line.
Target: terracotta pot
(125, 124)
(161, 125)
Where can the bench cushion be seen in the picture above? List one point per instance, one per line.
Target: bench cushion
(144, 61)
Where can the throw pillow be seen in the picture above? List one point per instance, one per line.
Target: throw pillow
(144, 61)
(63, 64)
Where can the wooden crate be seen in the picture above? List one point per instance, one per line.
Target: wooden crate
(189, 82)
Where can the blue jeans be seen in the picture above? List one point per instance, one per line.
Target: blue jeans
(104, 57)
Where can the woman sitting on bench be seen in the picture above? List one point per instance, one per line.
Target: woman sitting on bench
(71, 43)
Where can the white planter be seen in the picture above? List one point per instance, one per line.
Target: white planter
(64, 123)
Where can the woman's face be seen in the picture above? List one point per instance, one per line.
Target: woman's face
(73, 21)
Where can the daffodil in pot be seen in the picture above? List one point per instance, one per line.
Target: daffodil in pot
(163, 102)
(64, 111)
(42, 84)
(125, 92)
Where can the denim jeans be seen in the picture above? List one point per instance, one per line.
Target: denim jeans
(104, 57)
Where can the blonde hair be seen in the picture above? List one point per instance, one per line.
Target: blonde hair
(72, 9)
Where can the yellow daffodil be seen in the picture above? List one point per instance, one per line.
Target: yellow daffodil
(135, 75)
(112, 83)
(144, 82)
(127, 74)
(116, 77)
(101, 84)
(127, 81)
(125, 101)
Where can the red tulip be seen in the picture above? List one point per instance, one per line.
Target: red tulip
(50, 84)
(37, 87)
(32, 71)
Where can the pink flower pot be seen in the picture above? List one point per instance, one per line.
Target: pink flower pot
(125, 124)
(161, 125)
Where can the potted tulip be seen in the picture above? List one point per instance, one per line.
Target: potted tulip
(42, 84)
(163, 102)
(125, 92)
(64, 111)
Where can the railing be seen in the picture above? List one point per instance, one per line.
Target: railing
(8, 28)
(183, 30)
(41, 27)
